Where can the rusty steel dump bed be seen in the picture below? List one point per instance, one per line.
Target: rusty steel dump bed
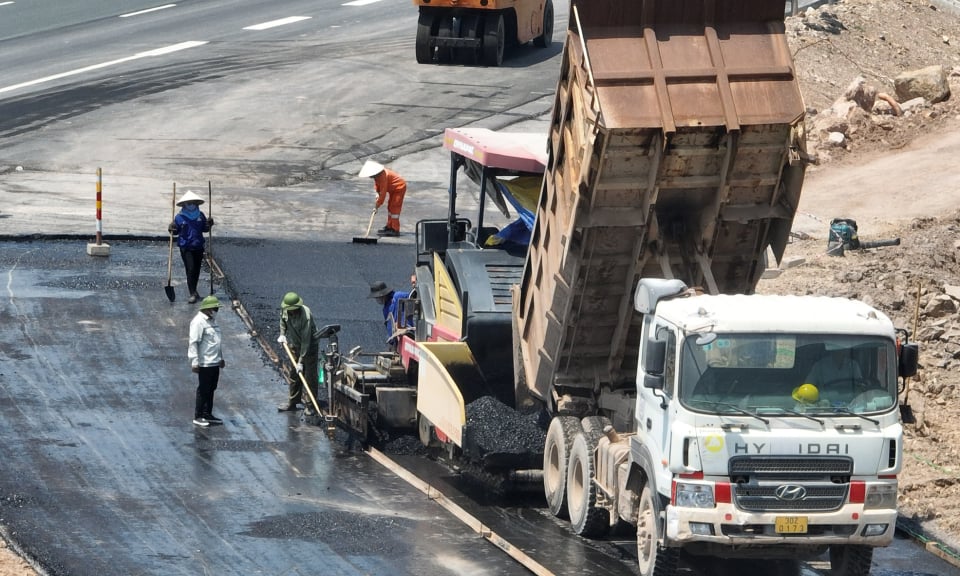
(676, 149)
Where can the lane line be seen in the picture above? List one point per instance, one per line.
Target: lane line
(360, 2)
(275, 23)
(149, 53)
(6, 3)
(139, 12)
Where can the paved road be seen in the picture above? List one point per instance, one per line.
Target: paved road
(102, 471)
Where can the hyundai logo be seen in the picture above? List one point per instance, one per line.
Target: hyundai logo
(790, 492)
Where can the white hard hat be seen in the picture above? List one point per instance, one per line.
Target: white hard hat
(190, 196)
(370, 168)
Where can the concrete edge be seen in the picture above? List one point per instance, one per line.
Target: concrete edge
(915, 531)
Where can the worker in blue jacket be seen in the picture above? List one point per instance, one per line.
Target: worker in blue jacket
(189, 226)
(390, 300)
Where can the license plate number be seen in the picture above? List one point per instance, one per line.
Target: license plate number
(791, 524)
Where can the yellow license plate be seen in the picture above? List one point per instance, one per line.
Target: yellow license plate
(791, 524)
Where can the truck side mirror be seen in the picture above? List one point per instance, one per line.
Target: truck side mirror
(909, 360)
(654, 358)
(653, 381)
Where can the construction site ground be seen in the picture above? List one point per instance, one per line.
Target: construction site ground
(896, 176)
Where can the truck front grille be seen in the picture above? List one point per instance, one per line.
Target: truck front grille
(816, 498)
(786, 466)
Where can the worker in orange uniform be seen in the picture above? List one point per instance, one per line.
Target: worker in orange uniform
(390, 185)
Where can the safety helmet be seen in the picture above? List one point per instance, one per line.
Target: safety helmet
(291, 300)
(806, 393)
(370, 168)
(210, 302)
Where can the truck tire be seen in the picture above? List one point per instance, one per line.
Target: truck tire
(424, 33)
(586, 518)
(546, 36)
(850, 560)
(593, 427)
(652, 559)
(494, 39)
(556, 452)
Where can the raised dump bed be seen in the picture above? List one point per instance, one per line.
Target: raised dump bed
(676, 150)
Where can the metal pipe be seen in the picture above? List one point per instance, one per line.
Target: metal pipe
(452, 191)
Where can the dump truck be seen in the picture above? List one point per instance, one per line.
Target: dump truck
(717, 422)
(479, 31)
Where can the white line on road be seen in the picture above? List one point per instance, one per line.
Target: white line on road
(164, 7)
(280, 22)
(361, 2)
(137, 56)
(6, 3)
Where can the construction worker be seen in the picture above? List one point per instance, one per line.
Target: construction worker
(206, 359)
(389, 299)
(189, 226)
(298, 331)
(387, 184)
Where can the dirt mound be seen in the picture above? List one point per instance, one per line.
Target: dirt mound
(917, 283)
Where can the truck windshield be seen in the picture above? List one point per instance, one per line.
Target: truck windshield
(788, 375)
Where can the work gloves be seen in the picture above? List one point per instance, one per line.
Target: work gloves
(300, 368)
(282, 339)
(172, 229)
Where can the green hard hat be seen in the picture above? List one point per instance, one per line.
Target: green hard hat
(291, 300)
(209, 302)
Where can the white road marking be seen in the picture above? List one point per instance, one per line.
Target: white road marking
(360, 2)
(137, 56)
(164, 7)
(275, 23)
(6, 3)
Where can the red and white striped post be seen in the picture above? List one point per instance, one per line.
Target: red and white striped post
(99, 248)
(99, 207)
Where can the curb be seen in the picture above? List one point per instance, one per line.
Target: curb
(916, 532)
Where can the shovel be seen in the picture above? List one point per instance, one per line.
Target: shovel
(366, 239)
(171, 295)
(303, 380)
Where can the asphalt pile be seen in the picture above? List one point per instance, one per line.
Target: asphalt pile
(500, 437)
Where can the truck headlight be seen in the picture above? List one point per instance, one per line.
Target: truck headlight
(880, 496)
(694, 496)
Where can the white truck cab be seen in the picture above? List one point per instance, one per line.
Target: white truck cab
(766, 426)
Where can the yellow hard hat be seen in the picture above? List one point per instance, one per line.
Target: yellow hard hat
(806, 393)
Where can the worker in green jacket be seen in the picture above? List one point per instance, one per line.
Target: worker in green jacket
(299, 332)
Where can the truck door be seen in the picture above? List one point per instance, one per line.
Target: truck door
(654, 407)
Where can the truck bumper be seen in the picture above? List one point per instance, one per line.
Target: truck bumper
(727, 526)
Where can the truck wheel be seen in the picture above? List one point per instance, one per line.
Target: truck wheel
(593, 427)
(424, 52)
(546, 37)
(556, 453)
(653, 560)
(494, 39)
(586, 518)
(851, 560)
